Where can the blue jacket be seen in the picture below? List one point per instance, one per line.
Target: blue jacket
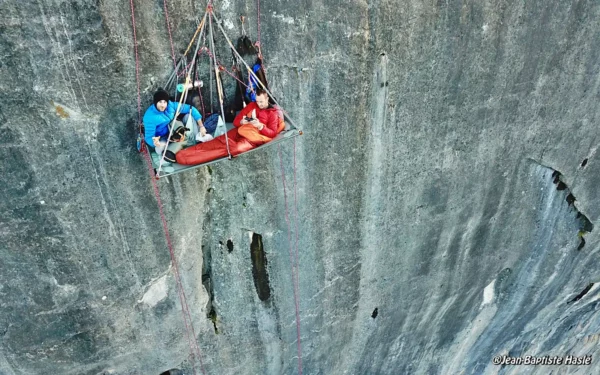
(156, 123)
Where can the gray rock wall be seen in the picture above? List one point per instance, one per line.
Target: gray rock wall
(431, 231)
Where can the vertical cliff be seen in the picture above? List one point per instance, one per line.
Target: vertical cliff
(446, 192)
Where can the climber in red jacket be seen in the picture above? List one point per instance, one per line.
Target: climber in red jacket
(255, 125)
(260, 121)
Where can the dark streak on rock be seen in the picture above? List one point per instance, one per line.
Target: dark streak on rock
(585, 225)
(212, 315)
(556, 176)
(208, 285)
(581, 243)
(583, 293)
(259, 268)
(173, 371)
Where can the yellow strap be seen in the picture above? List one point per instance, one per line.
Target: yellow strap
(195, 35)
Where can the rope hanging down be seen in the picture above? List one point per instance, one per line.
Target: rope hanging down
(296, 216)
(258, 23)
(189, 328)
(170, 35)
(217, 77)
(293, 248)
(258, 44)
(292, 253)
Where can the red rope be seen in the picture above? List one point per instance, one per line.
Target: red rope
(222, 67)
(194, 349)
(183, 299)
(294, 263)
(170, 36)
(258, 43)
(258, 20)
(234, 77)
(137, 66)
(296, 210)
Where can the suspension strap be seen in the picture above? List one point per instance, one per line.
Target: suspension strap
(183, 98)
(218, 80)
(223, 69)
(187, 319)
(174, 75)
(232, 75)
(250, 72)
(198, 30)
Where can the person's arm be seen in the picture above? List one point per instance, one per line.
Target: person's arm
(198, 118)
(239, 119)
(270, 128)
(196, 115)
(149, 129)
(184, 109)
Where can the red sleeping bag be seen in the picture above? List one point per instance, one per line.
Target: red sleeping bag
(214, 149)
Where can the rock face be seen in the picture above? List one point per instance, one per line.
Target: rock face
(446, 187)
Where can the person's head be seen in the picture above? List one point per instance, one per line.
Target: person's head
(161, 99)
(262, 99)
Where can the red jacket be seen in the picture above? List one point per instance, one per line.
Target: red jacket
(268, 116)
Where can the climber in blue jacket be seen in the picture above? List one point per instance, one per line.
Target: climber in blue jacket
(158, 117)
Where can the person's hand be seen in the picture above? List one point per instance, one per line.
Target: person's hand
(257, 124)
(156, 141)
(202, 130)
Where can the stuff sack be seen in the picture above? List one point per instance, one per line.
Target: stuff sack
(211, 123)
